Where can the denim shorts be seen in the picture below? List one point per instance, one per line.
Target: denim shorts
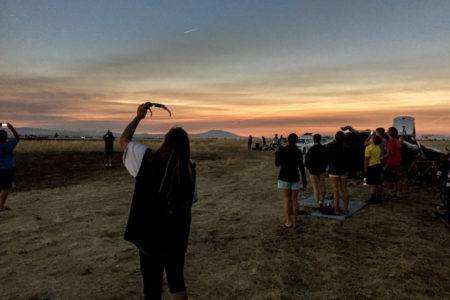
(289, 185)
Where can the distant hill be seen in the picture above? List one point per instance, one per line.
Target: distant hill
(433, 137)
(38, 132)
(215, 134)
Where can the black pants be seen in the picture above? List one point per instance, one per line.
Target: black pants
(152, 269)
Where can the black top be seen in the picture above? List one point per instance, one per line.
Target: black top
(151, 227)
(290, 159)
(316, 159)
(109, 141)
(338, 158)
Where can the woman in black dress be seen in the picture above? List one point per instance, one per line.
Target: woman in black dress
(160, 214)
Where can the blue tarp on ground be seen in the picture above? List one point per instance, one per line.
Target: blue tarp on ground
(353, 207)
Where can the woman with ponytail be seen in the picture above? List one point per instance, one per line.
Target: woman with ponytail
(160, 213)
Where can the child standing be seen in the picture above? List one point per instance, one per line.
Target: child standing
(373, 168)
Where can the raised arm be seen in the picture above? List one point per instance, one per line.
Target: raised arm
(16, 135)
(128, 132)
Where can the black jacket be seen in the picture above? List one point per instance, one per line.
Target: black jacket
(150, 226)
(290, 161)
(338, 158)
(316, 159)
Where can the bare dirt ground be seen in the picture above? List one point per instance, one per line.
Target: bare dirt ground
(63, 238)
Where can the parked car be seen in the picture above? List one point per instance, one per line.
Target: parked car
(305, 142)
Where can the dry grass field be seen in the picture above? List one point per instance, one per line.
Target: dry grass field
(63, 238)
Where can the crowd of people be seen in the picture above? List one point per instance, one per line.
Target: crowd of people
(166, 188)
(382, 168)
(7, 163)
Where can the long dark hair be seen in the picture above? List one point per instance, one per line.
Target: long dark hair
(177, 175)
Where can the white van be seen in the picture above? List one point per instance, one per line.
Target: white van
(305, 142)
(405, 126)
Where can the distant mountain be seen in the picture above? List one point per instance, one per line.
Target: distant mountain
(38, 132)
(215, 134)
(433, 137)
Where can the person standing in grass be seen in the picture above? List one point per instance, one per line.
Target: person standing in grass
(7, 164)
(338, 167)
(275, 142)
(109, 148)
(393, 164)
(316, 161)
(249, 142)
(373, 168)
(160, 214)
(290, 161)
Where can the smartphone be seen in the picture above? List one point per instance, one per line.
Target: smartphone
(371, 133)
(4, 124)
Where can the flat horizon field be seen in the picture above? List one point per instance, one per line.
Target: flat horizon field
(63, 238)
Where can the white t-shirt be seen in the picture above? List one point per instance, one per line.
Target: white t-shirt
(132, 159)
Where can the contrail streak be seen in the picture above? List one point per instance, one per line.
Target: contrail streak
(192, 30)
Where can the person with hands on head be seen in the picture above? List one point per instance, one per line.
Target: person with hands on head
(7, 163)
(160, 213)
(290, 161)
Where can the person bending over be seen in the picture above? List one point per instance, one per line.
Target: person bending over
(160, 213)
(7, 164)
(290, 161)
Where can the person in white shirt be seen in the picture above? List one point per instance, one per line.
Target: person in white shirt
(160, 213)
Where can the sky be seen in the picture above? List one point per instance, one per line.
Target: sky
(249, 67)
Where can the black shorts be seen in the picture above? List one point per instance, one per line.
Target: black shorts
(393, 174)
(109, 153)
(6, 179)
(373, 175)
(152, 269)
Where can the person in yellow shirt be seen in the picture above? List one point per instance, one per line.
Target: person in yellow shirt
(373, 168)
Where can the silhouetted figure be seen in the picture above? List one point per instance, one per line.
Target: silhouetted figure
(372, 168)
(316, 161)
(393, 164)
(290, 161)
(338, 167)
(160, 213)
(250, 142)
(275, 142)
(7, 164)
(109, 148)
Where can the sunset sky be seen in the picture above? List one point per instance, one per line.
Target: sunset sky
(249, 67)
